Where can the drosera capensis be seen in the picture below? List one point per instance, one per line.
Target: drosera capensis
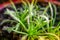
(32, 23)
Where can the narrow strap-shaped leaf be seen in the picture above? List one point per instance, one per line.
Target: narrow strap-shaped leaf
(20, 32)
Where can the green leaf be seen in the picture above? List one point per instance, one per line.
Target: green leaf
(13, 15)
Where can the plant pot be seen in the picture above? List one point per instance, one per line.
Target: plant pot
(5, 4)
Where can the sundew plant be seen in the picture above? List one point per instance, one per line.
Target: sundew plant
(34, 22)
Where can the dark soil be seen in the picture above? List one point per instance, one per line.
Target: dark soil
(4, 35)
